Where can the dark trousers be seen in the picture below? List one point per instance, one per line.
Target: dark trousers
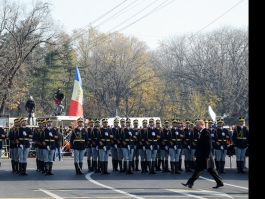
(197, 173)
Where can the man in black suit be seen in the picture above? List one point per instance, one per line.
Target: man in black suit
(204, 157)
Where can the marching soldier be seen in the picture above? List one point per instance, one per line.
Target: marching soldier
(180, 129)
(104, 146)
(175, 145)
(214, 137)
(36, 134)
(25, 133)
(187, 140)
(141, 145)
(158, 128)
(12, 136)
(89, 146)
(114, 144)
(136, 155)
(119, 145)
(94, 139)
(221, 145)
(48, 141)
(164, 146)
(151, 138)
(127, 136)
(195, 133)
(240, 139)
(78, 143)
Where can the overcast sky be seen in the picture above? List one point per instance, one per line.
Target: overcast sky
(151, 20)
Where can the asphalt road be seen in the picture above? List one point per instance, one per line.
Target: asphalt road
(65, 184)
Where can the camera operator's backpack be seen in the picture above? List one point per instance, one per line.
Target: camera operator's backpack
(60, 96)
(30, 104)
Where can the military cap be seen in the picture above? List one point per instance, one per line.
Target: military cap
(48, 120)
(91, 121)
(144, 121)
(135, 121)
(96, 120)
(17, 120)
(128, 120)
(205, 121)
(40, 121)
(166, 121)
(151, 120)
(22, 119)
(104, 120)
(187, 121)
(210, 121)
(174, 120)
(116, 120)
(80, 119)
(158, 122)
(241, 119)
(122, 120)
(220, 121)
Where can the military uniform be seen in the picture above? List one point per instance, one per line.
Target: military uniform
(12, 136)
(221, 145)
(104, 146)
(89, 146)
(158, 128)
(3, 136)
(94, 139)
(119, 146)
(186, 146)
(240, 141)
(141, 145)
(164, 146)
(47, 139)
(136, 154)
(78, 143)
(25, 133)
(114, 144)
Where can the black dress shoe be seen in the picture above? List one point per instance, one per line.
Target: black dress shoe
(187, 185)
(218, 185)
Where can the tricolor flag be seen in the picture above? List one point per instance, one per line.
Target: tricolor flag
(77, 101)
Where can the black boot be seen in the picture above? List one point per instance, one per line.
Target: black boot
(158, 165)
(217, 165)
(24, 166)
(99, 167)
(20, 168)
(116, 165)
(238, 166)
(113, 165)
(46, 168)
(180, 164)
(130, 168)
(242, 165)
(153, 164)
(88, 165)
(172, 166)
(80, 168)
(13, 166)
(133, 165)
(42, 166)
(92, 165)
(106, 167)
(222, 166)
(176, 168)
(142, 167)
(76, 168)
(166, 166)
(137, 165)
(163, 166)
(16, 167)
(95, 166)
(120, 166)
(50, 168)
(125, 166)
(37, 164)
(102, 167)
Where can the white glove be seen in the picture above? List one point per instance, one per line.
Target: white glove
(50, 134)
(189, 147)
(151, 147)
(96, 147)
(129, 147)
(222, 148)
(166, 147)
(130, 133)
(175, 147)
(48, 147)
(212, 134)
(134, 147)
(153, 133)
(104, 148)
(136, 133)
(24, 133)
(158, 147)
(143, 148)
(115, 145)
(106, 134)
(177, 133)
(223, 134)
(21, 146)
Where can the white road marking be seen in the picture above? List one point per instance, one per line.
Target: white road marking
(226, 184)
(88, 177)
(51, 194)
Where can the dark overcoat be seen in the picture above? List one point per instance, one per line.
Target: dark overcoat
(203, 151)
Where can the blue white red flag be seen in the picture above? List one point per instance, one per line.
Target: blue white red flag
(77, 101)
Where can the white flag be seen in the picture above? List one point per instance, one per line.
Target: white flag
(211, 113)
